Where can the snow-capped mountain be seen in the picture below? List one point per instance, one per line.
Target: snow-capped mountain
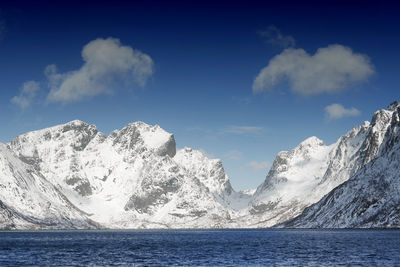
(73, 176)
(371, 197)
(131, 178)
(304, 175)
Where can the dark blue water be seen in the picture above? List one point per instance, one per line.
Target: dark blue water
(214, 247)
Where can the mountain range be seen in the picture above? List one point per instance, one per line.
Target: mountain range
(72, 176)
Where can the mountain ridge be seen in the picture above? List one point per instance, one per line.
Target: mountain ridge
(136, 178)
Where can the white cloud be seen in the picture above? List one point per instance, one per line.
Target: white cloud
(258, 165)
(106, 62)
(274, 36)
(337, 111)
(234, 155)
(330, 69)
(242, 130)
(27, 94)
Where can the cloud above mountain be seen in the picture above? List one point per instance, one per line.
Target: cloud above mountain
(27, 95)
(330, 70)
(106, 63)
(337, 111)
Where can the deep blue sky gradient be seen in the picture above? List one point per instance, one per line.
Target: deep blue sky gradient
(206, 57)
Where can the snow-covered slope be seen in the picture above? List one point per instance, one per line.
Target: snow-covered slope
(29, 201)
(131, 178)
(304, 175)
(370, 198)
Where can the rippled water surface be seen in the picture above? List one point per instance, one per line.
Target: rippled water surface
(214, 247)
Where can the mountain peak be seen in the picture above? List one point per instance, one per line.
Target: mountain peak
(76, 122)
(365, 124)
(139, 124)
(188, 149)
(394, 105)
(312, 141)
(153, 137)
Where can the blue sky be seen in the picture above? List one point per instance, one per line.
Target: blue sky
(191, 68)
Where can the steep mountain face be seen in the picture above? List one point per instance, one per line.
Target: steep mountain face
(131, 178)
(29, 201)
(304, 175)
(370, 198)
